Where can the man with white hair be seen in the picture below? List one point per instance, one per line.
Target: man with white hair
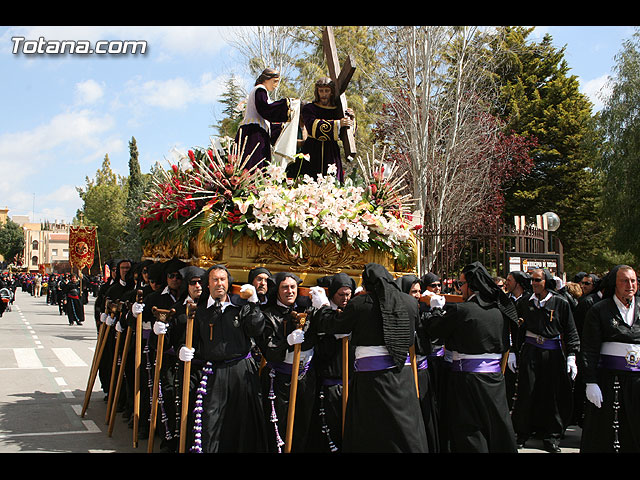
(611, 367)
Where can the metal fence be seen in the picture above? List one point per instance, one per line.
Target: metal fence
(447, 251)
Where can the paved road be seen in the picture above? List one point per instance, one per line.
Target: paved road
(44, 368)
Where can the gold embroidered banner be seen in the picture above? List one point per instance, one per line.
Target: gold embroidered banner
(82, 241)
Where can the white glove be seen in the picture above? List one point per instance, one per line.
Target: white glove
(119, 327)
(103, 317)
(160, 328)
(437, 301)
(572, 368)
(186, 354)
(318, 297)
(248, 291)
(341, 335)
(428, 293)
(512, 362)
(146, 325)
(137, 308)
(593, 394)
(110, 320)
(295, 337)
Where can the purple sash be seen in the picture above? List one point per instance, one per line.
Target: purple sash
(287, 368)
(421, 364)
(476, 365)
(546, 343)
(331, 381)
(373, 363)
(615, 362)
(438, 353)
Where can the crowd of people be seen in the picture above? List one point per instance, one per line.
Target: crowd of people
(64, 290)
(508, 361)
(392, 365)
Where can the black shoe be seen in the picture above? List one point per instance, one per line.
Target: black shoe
(520, 441)
(551, 446)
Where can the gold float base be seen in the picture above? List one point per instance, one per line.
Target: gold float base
(249, 252)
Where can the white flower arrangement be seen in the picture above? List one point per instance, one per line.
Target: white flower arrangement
(366, 211)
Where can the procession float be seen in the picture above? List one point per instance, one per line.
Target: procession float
(206, 208)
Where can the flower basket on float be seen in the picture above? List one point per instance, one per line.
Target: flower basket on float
(208, 209)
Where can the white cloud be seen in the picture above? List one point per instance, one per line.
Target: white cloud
(178, 93)
(48, 152)
(596, 91)
(89, 92)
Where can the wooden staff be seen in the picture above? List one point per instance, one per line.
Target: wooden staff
(191, 312)
(115, 308)
(293, 390)
(136, 382)
(345, 378)
(414, 366)
(103, 335)
(91, 380)
(161, 316)
(503, 362)
(123, 361)
(447, 297)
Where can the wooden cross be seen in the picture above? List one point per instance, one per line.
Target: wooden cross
(340, 78)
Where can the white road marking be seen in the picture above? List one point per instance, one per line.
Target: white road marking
(27, 358)
(90, 426)
(68, 357)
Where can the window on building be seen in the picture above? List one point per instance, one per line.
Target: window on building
(34, 261)
(54, 252)
(65, 253)
(34, 244)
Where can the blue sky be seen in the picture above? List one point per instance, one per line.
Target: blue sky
(62, 113)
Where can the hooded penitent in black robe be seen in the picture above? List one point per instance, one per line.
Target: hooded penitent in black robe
(383, 410)
(325, 433)
(225, 413)
(477, 333)
(543, 401)
(423, 350)
(279, 321)
(163, 299)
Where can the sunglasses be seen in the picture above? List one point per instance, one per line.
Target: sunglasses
(435, 285)
(174, 275)
(537, 280)
(586, 283)
(195, 281)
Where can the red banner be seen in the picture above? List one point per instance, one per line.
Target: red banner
(82, 241)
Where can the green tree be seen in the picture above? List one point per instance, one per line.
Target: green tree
(542, 100)
(130, 241)
(105, 200)
(11, 240)
(620, 127)
(231, 99)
